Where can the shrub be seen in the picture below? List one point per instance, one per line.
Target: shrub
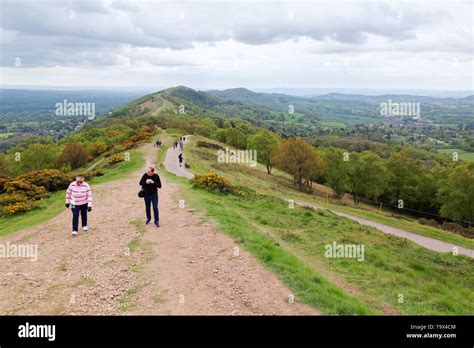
(97, 148)
(18, 207)
(75, 155)
(118, 149)
(25, 188)
(98, 172)
(211, 182)
(8, 199)
(3, 181)
(208, 145)
(20, 196)
(143, 134)
(428, 222)
(51, 179)
(115, 159)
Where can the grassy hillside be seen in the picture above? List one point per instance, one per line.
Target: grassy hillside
(396, 276)
(280, 185)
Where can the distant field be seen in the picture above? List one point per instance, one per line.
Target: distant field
(333, 124)
(5, 135)
(464, 155)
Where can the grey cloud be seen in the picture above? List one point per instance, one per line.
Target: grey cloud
(48, 36)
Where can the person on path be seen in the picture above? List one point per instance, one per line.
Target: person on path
(150, 183)
(79, 198)
(180, 159)
(181, 145)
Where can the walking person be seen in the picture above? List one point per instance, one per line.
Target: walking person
(181, 145)
(180, 159)
(150, 183)
(79, 198)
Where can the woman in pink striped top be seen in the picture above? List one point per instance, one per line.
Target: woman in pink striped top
(79, 198)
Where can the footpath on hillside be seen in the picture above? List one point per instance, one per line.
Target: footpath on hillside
(121, 266)
(429, 243)
(171, 164)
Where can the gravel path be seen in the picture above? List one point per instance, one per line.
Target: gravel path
(429, 243)
(171, 163)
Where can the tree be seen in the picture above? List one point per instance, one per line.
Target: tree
(336, 172)
(205, 127)
(34, 157)
(405, 179)
(367, 176)
(314, 170)
(298, 158)
(264, 143)
(235, 138)
(456, 194)
(4, 170)
(74, 154)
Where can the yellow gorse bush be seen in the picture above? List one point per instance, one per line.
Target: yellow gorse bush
(115, 159)
(212, 181)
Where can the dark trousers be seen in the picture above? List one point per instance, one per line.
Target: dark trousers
(82, 209)
(152, 200)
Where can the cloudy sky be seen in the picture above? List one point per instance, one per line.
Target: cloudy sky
(222, 44)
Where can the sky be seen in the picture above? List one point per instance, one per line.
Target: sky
(207, 44)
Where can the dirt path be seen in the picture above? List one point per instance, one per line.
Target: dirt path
(429, 243)
(119, 267)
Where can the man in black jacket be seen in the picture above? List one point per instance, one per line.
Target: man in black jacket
(150, 184)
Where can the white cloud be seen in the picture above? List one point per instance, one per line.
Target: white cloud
(224, 44)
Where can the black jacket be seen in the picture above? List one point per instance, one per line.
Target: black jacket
(150, 189)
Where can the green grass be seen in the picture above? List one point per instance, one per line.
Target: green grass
(280, 185)
(308, 286)
(464, 155)
(135, 242)
(127, 301)
(50, 207)
(291, 243)
(54, 204)
(119, 170)
(146, 248)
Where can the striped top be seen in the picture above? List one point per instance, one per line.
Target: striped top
(79, 194)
